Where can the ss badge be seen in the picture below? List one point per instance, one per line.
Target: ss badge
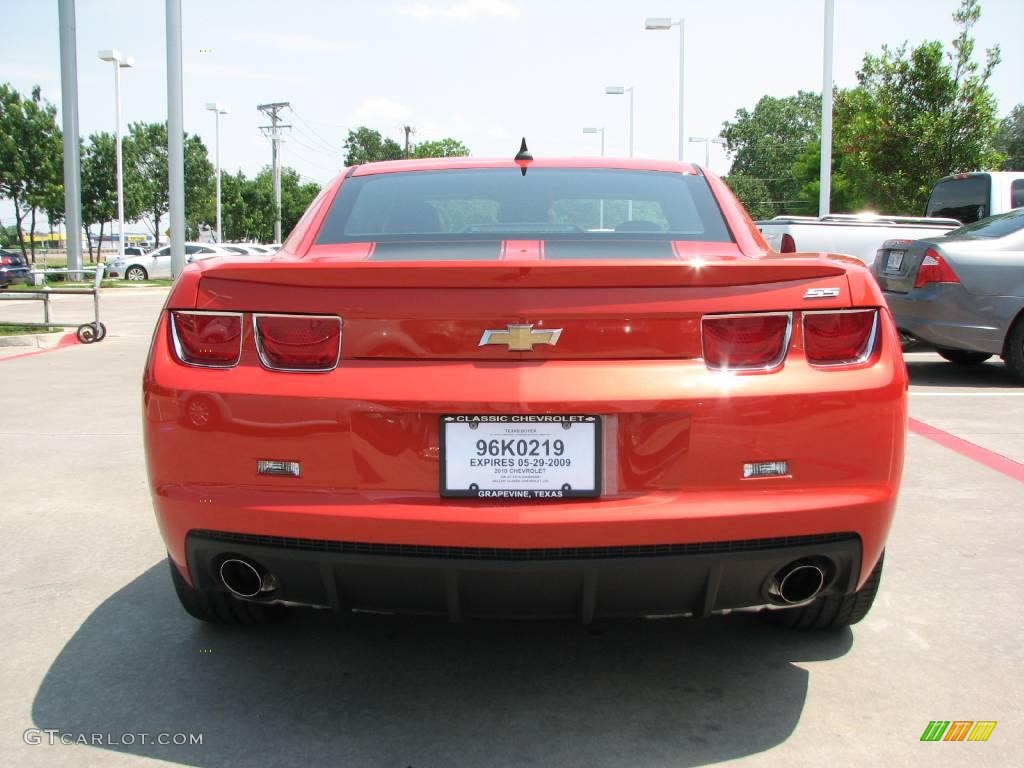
(821, 293)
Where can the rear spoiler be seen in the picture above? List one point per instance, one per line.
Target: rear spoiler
(855, 218)
(578, 273)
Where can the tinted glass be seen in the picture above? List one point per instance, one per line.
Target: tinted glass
(165, 251)
(1017, 194)
(494, 204)
(965, 199)
(994, 226)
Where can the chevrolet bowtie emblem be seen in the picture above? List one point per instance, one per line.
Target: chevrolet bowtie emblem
(521, 338)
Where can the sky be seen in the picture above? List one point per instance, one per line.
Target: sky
(484, 71)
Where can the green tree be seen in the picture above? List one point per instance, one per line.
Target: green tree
(753, 193)
(365, 145)
(30, 158)
(765, 142)
(247, 205)
(448, 147)
(146, 178)
(99, 183)
(1009, 139)
(917, 116)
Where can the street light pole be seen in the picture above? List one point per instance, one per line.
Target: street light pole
(120, 62)
(663, 23)
(825, 186)
(600, 130)
(218, 110)
(708, 141)
(619, 90)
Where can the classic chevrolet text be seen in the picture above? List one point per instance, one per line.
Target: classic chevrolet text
(543, 388)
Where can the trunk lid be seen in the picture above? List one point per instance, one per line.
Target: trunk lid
(602, 309)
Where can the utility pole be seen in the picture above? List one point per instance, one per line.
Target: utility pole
(408, 130)
(274, 132)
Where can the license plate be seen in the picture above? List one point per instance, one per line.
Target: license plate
(523, 456)
(895, 261)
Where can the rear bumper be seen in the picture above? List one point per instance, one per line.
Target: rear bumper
(585, 583)
(15, 275)
(946, 315)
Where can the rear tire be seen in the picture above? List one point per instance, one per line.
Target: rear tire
(1014, 357)
(831, 612)
(220, 607)
(963, 356)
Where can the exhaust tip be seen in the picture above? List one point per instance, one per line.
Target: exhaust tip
(242, 578)
(797, 582)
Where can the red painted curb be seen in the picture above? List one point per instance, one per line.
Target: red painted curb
(991, 459)
(67, 340)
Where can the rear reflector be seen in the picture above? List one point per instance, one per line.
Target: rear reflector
(788, 244)
(934, 269)
(745, 342)
(298, 342)
(207, 339)
(841, 337)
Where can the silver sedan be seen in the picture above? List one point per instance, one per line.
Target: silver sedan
(962, 292)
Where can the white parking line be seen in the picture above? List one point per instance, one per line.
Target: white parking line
(966, 394)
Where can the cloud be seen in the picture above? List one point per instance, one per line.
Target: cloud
(380, 113)
(467, 9)
(290, 42)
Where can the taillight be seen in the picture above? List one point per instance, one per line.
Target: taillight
(5, 260)
(208, 339)
(298, 342)
(934, 269)
(745, 342)
(840, 337)
(788, 244)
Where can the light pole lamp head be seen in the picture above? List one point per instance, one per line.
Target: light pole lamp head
(658, 22)
(615, 90)
(593, 130)
(697, 139)
(720, 140)
(126, 62)
(220, 109)
(111, 55)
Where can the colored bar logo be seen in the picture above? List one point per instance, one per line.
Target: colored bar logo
(958, 730)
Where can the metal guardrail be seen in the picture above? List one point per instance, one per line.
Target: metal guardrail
(87, 332)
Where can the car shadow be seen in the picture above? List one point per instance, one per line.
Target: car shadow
(397, 691)
(933, 372)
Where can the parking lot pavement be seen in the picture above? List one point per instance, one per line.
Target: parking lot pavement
(97, 644)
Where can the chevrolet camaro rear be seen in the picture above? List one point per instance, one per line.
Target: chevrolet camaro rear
(557, 389)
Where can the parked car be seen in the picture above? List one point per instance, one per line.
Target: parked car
(13, 269)
(134, 250)
(954, 201)
(962, 292)
(521, 413)
(157, 264)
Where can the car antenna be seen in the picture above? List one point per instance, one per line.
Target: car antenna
(523, 157)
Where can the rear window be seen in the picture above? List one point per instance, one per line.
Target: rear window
(493, 204)
(994, 226)
(965, 199)
(1017, 193)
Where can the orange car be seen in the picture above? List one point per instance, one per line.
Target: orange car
(541, 388)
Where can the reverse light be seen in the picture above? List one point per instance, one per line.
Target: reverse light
(765, 469)
(207, 339)
(278, 467)
(300, 343)
(841, 337)
(934, 269)
(746, 342)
